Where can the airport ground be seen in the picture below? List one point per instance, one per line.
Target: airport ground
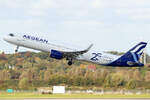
(33, 96)
(75, 99)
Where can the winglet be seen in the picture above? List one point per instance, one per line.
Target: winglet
(89, 47)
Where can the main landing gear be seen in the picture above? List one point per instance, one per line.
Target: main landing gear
(69, 61)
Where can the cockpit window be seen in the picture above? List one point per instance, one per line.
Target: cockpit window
(11, 34)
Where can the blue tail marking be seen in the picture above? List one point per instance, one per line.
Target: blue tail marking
(131, 58)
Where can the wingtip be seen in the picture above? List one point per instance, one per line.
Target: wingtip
(90, 47)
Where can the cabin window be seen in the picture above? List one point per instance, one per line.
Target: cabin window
(11, 34)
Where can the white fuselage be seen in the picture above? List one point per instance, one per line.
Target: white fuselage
(44, 45)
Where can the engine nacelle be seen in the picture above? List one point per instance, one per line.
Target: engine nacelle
(56, 54)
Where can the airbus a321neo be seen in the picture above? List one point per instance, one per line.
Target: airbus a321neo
(129, 59)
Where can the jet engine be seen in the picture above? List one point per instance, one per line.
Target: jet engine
(56, 54)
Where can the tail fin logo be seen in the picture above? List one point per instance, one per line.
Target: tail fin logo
(137, 51)
(131, 58)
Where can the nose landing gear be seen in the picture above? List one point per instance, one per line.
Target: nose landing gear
(16, 50)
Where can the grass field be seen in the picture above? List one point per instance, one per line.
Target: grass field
(35, 95)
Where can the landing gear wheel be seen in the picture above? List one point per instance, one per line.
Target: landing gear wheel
(70, 63)
(16, 50)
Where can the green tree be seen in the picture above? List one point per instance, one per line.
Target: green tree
(107, 82)
(137, 75)
(24, 83)
(131, 84)
(117, 80)
(147, 76)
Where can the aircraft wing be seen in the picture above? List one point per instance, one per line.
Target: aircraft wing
(74, 54)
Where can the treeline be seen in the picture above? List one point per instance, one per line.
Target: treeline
(29, 71)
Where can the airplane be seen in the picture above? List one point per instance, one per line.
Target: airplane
(129, 59)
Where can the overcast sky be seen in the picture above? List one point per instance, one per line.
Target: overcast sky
(108, 24)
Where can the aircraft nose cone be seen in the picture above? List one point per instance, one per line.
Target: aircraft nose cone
(5, 38)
